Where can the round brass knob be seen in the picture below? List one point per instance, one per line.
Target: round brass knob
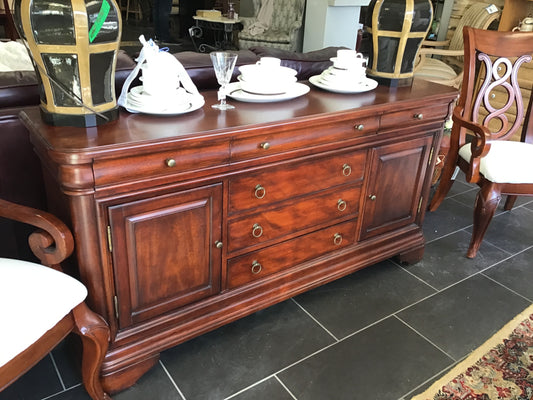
(219, 244)
(359, 127)
(419, 116)
(257, 231)
(372, 197)
(337, 239)
(170, 162)
(256, 267)
(260, 192)
(265, 145)
(341, 205)
(346, 170)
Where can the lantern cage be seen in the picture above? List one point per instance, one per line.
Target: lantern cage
(73, 46)
(397, 29)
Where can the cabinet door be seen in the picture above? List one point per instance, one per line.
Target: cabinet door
(164, 253)
(395, 182)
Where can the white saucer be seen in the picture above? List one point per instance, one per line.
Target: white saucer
(294, 90)
(364, 86)
(266, 87)
(138, 102)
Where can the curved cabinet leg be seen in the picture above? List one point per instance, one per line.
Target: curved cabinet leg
(120, 379)
(411, 256)
(94, 334)
(487, 201)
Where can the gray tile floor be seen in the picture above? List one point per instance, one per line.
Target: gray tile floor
(385, 332)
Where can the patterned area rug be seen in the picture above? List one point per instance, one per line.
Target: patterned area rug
(501, 368)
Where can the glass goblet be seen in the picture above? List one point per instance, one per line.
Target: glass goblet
(223, 63)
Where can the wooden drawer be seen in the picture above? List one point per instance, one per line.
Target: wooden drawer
(293, 179)
(181, 159)
(267, 261)
(413, 116)
(284, 140)
(294, 216)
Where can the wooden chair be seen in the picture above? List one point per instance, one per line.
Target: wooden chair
(449, 70)
(479, 142)
(40, 306)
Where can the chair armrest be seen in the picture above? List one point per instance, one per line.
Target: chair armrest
(441, 52)
(247, 21)
(52, 243)
(433, 43)
(478, 146)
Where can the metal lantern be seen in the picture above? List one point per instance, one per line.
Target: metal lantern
(397, 29)
(73, 45)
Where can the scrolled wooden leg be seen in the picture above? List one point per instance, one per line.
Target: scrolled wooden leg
(509, 203)
(94, 334)
(487, 201)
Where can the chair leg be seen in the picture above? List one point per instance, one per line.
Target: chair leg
(509, 203)
(445, 183)
(487, 200)
(94, 334)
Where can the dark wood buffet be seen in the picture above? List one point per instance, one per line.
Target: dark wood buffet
(186, 223)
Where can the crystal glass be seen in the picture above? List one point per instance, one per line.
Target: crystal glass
(223, 63)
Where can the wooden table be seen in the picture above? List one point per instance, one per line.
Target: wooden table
(184, 224)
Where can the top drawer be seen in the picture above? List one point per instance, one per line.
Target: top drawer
(181, 159)
(289, 180)
(285, 140)
(413, 116)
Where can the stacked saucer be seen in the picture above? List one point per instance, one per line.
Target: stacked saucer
(266, 77)
(175, 102)
(347, 75)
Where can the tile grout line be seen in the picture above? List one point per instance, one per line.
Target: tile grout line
(314, 319)
(57, 371)
(285, 387)
(172, 380)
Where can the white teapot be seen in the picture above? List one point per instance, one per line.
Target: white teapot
(526, 25)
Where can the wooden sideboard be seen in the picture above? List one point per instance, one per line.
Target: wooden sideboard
(186, 223)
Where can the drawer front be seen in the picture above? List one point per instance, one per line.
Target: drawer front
(162, 163)
(294, 216)
(290, 180)
(282, 141)
(267, 261)
(413, 116)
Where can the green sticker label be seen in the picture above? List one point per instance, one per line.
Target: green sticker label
(100, 19)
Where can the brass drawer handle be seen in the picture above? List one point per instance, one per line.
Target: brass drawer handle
(260, 192)
(359, 127)
(419, 116)
(372, 197)
(256, 267)
(346, 170)
(219, 244)
(337, 239)
(257, 231)
(265, 145)
(341, 205)
(170, 162)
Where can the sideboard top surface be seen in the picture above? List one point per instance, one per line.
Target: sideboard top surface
(207, 123)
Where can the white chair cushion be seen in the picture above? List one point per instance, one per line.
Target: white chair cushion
(33, 298)
(506, 162)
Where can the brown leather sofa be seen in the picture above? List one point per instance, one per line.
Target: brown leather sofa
(20, 172)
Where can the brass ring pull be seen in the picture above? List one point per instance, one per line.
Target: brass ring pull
(346, 170)
(257, 231)
(359, 127)
(256, 267)
(265, 145)
(419, 116)
(372, 197)
(260, 192)
(170, 162)
(341, 205)
(337, 239)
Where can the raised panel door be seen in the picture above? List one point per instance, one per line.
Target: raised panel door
(394, 185)
(164, 252)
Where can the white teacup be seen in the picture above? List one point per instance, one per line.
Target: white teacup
(159, 81)
(269, 62)
(349, 59)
